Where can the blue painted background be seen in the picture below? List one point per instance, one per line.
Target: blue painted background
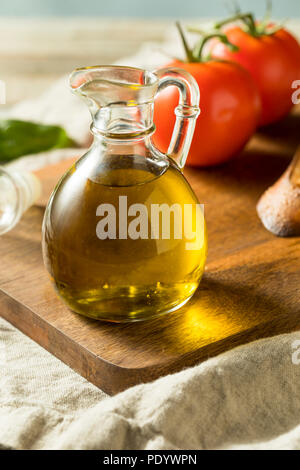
(141, 8)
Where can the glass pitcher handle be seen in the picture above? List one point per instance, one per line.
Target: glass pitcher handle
(186, 112)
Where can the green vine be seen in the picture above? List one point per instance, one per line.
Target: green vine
(251, 25)
(196, 54)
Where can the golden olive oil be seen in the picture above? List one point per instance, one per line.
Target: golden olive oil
(121, 279)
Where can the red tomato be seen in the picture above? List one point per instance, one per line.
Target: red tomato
(230, 110)
(274, 63)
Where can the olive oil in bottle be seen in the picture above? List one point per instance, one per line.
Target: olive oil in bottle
(123, 278)
(124, 236)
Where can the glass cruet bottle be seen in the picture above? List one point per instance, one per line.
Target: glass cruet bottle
(19, 190)
(124, 236)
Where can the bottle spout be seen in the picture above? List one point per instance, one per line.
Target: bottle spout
(111, 92)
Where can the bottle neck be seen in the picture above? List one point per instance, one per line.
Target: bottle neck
(123, 122)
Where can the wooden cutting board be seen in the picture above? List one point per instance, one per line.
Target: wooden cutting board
(250, 289)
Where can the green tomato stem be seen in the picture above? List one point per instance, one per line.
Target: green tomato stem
(252, 26)
(188, 51)
(247, 19)
(198, 49)
(196, 54)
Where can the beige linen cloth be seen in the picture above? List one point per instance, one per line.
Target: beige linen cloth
(247, 398)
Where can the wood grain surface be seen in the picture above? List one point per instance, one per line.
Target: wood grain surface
(250, 288)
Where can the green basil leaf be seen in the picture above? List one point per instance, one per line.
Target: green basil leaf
(18, 138)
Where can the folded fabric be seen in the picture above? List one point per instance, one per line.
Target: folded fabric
(246, 398)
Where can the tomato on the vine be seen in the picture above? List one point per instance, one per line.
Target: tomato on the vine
(230, 107)
(271, 55)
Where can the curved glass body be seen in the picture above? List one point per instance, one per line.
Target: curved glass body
(124, 238)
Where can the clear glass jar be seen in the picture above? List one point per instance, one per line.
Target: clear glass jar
(136, 269)
(18, 191)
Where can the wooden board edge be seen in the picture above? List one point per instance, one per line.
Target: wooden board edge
(110, 377)
(96, 370)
